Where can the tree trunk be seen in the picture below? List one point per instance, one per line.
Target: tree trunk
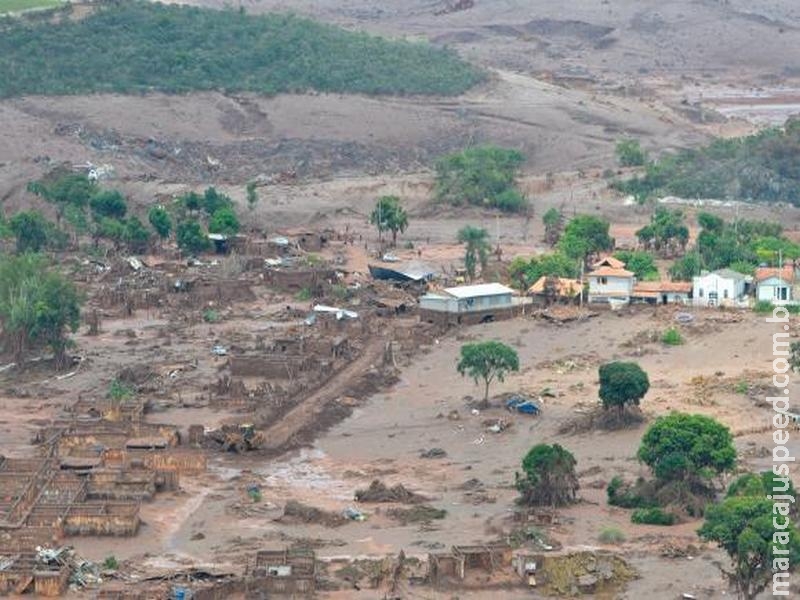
(485, 403)
(394, 238)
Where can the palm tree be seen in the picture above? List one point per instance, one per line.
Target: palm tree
(477, 251)
(389, 216)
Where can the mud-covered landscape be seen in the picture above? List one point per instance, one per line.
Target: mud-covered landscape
(236, 318)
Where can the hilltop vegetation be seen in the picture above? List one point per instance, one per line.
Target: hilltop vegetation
(141, 46)
(11, 6)
(764, 167)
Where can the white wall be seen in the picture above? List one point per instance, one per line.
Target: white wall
(728, 290)
(614, 286)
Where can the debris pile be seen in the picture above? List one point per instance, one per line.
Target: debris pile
(379, 492)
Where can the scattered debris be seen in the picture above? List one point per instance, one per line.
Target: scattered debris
(353, 514)
(379, 492)
(297, 512)
(424, 513)
(433, 453)
(522, 404)
(219, 350)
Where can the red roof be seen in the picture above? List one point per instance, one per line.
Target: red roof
(663, 286)
(610, 272)
(786, 273)
(609, 261)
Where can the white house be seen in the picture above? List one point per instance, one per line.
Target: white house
(776, 285)
(724, 287)
(609, 282)
(468, 304)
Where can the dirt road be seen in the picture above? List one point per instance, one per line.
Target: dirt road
(282, 433)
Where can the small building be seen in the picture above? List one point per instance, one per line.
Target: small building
(468, 304)
(723, 287)
(549, 289)
(610, 283)
(776, 285)
(662, 292)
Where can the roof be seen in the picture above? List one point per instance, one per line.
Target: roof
(564, 286)
(656, 287)
(786, 273)
(609, 261)
(729, 274)
(610, 272)
(475, 291)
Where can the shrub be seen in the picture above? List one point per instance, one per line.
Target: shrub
(119, 390)
(210, 316)
(630, 153)
(652, 516)
(672, 337)
(626, 496)
(611, 535)
(304, 295)
(741, 387)
(763, 307)
(111, 563)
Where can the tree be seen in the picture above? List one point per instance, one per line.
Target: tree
(761, 485)
(548, 477)
(622, 383)
(64, 189)
(640, 263)
(160, 221)
(192, 201)
(553, 225)
(110, 229)
(388, 215)
(487, 361)
(684, 269)
(37, 306)
(744, 526)
(476, 240)
(630, 153)
(480, 176)
(252, 195)
(191, 237)
(584, 236)
(213, 201)
(687, 448)
(108, 203)
(135, 235)
(31, 230)
(224, 221)
(554, 264)
(667, 233)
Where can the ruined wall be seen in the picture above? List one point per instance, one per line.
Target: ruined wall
(471, 318)
(50, 584)
(120, 519)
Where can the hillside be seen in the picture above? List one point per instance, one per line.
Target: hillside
(140, 46)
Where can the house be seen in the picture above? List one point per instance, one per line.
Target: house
(548, 289)
(468, 304)
(609, 282)
(662, 292)
(776, 285)
(723, 287)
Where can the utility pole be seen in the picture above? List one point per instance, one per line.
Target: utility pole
(580, 298)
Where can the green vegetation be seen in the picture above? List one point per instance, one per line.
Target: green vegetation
(304, 295)
(210, 316)
(553, 221)
(224, 221)
(761, 485)
(487, 361)
(611, 535)
(652, 516)
(477, 247)
(526, 272)
(687, 448)
(642, 264)
(109, 204)
(111, 563)
(252, 195)
(63, 189)
(191, 237)
(630, 153)
(160, 221)
(138, 46)
(548, 476)
(585, 236)
(32, 231)
(758, 535)
(481, 176)
(621, 384)
(739, 245)
(666, 234)
(672, 337)
(626, 496)
(13, 6)
(388, 215)
(119, 390)
(37, 307)
(764, 167)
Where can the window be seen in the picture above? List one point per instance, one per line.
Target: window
(603, 281)
(700, 292)
(725, 293)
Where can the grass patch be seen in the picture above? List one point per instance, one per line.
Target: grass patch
(137, 46)
(611, 535)
(652, 516)
(672, 337)
(13, 6)
(119, 390)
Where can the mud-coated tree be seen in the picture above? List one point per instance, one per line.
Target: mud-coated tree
(487, 361)
(548, 476)
(477, 247)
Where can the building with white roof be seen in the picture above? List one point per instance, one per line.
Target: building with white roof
(479, 303)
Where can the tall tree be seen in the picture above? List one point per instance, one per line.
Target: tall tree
(31, 230)
(65, 190)
(225, 221)
(477, 248)
(553, 221)
(760, 539)
(487, 361)
(108, 203)
(622, 383)
(389, 215)
(666, 234)
(252, 195)
(191, 237)
(160, 221)
(548, 476)
(584, 236)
